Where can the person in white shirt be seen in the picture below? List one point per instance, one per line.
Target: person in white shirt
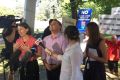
(73, 56)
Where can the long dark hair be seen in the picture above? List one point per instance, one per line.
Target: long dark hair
(26, 26)
(94, 33)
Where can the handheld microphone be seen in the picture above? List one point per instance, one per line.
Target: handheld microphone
(39, 43)
(46, 49)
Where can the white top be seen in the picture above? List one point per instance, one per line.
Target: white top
(71, 61)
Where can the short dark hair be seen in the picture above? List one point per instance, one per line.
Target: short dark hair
(50, 21)
(26, 26)
(72, 33)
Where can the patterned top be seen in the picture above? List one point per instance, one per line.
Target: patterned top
(30, 42)
(57, 44)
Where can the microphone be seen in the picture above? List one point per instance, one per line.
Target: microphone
(42, 45)
(39, 43)
(46, 49)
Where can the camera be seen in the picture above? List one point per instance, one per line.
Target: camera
(6, 21)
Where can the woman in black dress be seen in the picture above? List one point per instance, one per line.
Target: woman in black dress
(96, 54)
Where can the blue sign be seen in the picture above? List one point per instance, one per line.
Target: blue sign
(84, 17)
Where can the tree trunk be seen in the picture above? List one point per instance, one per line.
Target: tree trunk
(73, 9)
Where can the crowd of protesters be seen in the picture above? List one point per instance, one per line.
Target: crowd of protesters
(61, 52)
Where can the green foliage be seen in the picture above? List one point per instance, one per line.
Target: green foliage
(96, 9)
(108, 4)
(6, 11)
(10, 11)
(66, 9)
(98, 6)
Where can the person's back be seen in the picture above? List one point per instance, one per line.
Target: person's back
(73, 56)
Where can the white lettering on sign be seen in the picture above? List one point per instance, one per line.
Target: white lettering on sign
(84, 12)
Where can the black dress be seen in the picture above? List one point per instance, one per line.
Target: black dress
(94, 70)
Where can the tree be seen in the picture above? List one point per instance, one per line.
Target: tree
(107, 5)
(7, 11)
(71, 8)
(96, 9)
(74, 6)
(98, 6)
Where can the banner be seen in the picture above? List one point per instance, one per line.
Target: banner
(84, 17)
(115, 10)
(109, 24)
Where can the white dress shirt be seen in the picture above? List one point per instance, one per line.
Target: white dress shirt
(71, 61)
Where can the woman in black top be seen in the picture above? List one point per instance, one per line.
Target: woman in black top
(96, 54)
(10, 35)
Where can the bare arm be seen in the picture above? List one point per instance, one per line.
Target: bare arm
(103, 49)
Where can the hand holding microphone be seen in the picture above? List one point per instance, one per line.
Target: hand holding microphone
(39, 42)
(48, 51)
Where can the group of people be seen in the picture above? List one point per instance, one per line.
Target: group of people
(58, 43)
(63, 56)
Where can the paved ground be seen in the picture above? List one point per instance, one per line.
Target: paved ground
(42, 72)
